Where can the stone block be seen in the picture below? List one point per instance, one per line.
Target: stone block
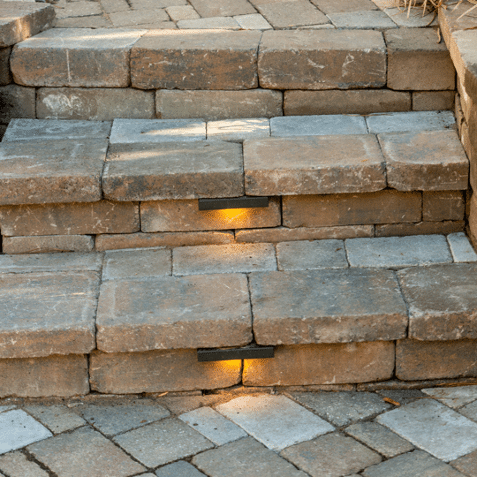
(211, 311)
(180, 468)
(214, 105)
(222, 8)
(45, 172)
(99, 104)
(364, 20)
(420, 228)
(17, 102)
(213, 23)
(70, 219)
(461, 249)
(148, 4)
(371, 309)
(173, 170)
(365, 101)
(425, 160)
(313, 165)
(322, 364)
(446, 205)
(16, 464)
(5, 76)
(419, 360)
(442, 301)
(384, 207)
(253, 22)
(22, 20)
(182, 12)
(453, 397)
(112, 6)
(432, 100)
(237, 130)
(75, 57)
(179, 239)
(138, 18)
(93, 21)
(466, 464)
(48, 244)
(344, 6)
(184, 216)
(80, 8)
(57, 417)
(61, 376)
(159, 371)
(322, 59)
(195, 60)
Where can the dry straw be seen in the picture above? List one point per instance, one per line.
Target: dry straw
(433, 6)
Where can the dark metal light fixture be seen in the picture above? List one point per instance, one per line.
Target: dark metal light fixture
(244, 202)
(226, 354)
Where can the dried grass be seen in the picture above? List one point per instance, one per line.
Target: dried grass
(432, 6)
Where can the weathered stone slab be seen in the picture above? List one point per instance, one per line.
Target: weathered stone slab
(214, 60)
(343, 6)
(5, 76)
(61, 376)
(461, 248)
(443, 205)
(100, 104)
(180, 468)
(238, 130)
(425, 160)
(215, 105)
(213, 23)
(48, 313)
(322, 59)
(75, 57)
(16, 464)
(129, 131)
(465, 59)
(420, 228)
(22, 20)
(17, 102)
(386, 207)
(70, 219)
(233, 258)
(253, 21)
(173, 171)
(369, 307)
(182, 12)
(47, 172)
(173, 313)
(48, 244)
(432, 100)
(467, 464)
(322, 364)
(442, 302)
(453, 397)
(410, 121)
(222, 8)
(159, 371)
(313, 165)
(367, 20)
(184, 215)
(58, 418)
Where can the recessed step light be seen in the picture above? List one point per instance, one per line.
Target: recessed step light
(233, 203)
(226, 354)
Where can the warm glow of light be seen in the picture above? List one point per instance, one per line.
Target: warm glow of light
(233, 214)
(231, 364)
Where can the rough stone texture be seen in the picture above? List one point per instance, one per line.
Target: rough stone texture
(195, 60)
(416, 61)
(253, 22)
(299, 103)
(331, 456)
(174, 313)
(70, 219)
(322, 364)
(371, 307)
(419, 360)
(461, 248)
(22, 20)
(48, 314)
(237, 130)
(84, 452)
(410, 121)
(16, 464)
(445, 205)
(233, 258)
(467, 464)
(222, 8)
(453, 397)
(45, 172)
(447, 311)
(177, 469)
(421, 228)
(139, 18)
(182, 12)
(425, 160)
(213, 23)
(214, 105)
(179, 239)
(99, 104)
(314, 165)
(17, 102)
(343, 6)
(48, 244)
(61, 376)
(184, 216)
(362, 20)
(5, 75)
(384, 207)
(321, 59)
(159, 371)
(57, 418)
(432, 100)
(173, 171)
(75, 57)
(93, 21)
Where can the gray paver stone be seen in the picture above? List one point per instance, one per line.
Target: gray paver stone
(178, 469)
(453, 397)
(402, 396)
(362, 20)
(6, 408)
(253, 21)
(470, 411)
(410, 121)
(461, 248)
(15, 464)
(238, 129)
(467, 464)
(56, 417)
(219, 23)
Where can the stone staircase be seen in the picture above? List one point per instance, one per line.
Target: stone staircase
(358, 271)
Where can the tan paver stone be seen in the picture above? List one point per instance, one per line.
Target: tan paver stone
(57, 57)
(112, 6)
(173, 170)
(5, 76)
(61, 376)
(214, 105)
(299, 103)
(95, 21)
(182, 12)
(174, 313)
(322, 59)
(78, 8)
(420, 228)
(48, 244)
(453, 397)
(344, 6)
(255, 21)
(237, 130)
(17, 102)
(184, 215)
(159, 371)
(196, 60)
(332, 455)
(363, 20)
(22, 20)
(94, 103)
(151, 4)
(84, 452)
(414, 20)
(138, 17)
(15, 464)
(351, 209)
(313, 165)
(425, 160)
(311, 313)
(292, 14)
(57, 418)
(222, 8)
(445, 205)
(70, 219)
(418, 360)
(467, 464)
(322, 364)
(212, 23)
(432, 100)
(442, 301)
